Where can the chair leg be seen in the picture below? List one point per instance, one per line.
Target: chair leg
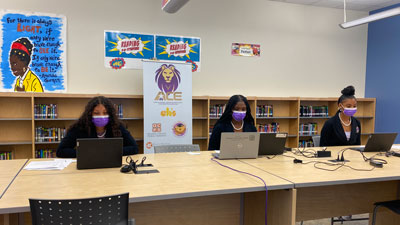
(374, 214)
(301, 223)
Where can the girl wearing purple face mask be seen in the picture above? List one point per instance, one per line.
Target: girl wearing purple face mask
(236, 118)
(99, 120)
(343, 129)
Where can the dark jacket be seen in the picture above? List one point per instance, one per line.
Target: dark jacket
(332, 133)
(66, 149)
(215, 139)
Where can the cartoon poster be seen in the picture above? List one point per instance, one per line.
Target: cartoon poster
(179, 49)
(127, 50)
(167, 96)
(239, 49)
(33, 52)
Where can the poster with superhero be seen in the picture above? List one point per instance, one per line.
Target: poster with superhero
(33, 52)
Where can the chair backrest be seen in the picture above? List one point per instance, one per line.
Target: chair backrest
(103, 210)
(176, 148)
(316, 140)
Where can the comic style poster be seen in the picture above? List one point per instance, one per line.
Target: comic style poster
(179, 49)
(33, 52)
(251, 50)
(167, 100)
(124, 50)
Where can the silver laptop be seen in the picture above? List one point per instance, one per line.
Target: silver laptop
(378, 142)
(239, 145)
(93, 153)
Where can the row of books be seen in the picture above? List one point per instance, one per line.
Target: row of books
(43, 111)
(46, 153)
(308, 129)
(306, 143)
(268, 128)
(53, 134)
(118, 109)
(5, 155)
(313, 111)
(217, 110)
(264, 111)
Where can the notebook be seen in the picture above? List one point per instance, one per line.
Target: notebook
(93, 153)
(378, 142)
(272, 143)
(238, 145)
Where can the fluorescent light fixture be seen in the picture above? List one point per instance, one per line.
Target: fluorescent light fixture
(172, 6)
(371, 18)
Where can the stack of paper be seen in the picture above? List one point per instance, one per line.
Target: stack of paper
(56, 164)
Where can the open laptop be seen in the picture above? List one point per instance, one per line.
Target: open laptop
(239, 145)
(378, 142)
(93, 153)
(272, 143)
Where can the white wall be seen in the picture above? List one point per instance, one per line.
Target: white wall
(303, 50)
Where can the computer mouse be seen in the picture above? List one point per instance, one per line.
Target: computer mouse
(125, 169)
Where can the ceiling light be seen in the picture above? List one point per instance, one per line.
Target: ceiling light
(370, 18)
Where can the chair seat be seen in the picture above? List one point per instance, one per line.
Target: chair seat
(392, 205)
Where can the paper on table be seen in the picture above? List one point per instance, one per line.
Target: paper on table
(56, 164)
(397, 147)
(194, 153)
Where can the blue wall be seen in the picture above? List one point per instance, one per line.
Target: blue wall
(383, 72)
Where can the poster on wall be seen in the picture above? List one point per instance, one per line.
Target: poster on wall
(179, 49)
(167, 100)
(33, 52)
(240, 49)
(124, 50)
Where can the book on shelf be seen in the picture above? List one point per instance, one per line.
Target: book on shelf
(308, 129)
(313, 111)
(53, 134)
(119, 110)
(268, 128)
(264, 111)
(306, 143)
(6, 156)
(45, 153)
(217, 110)
(43, 111)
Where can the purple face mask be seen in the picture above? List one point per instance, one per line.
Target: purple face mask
(349, 111)
(100, 121)
(239, 115)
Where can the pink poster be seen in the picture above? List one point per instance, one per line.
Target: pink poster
(240, 49)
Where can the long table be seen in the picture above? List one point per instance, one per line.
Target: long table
(193, 189)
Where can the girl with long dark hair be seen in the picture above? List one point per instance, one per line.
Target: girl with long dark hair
(99, 120)
(236, 118)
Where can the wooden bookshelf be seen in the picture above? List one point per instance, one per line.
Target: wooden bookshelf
(18, 123)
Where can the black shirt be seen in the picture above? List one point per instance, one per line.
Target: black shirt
(215, 139)
(333, 134)
(66, 149)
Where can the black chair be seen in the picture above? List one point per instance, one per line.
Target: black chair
(108, 210)
(394, 206)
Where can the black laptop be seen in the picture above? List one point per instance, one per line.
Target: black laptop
(272, 143)
(378, 142)
(94, 153)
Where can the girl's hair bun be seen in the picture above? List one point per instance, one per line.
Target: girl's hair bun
(349, 91)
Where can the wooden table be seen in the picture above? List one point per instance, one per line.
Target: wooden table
(191, 189)
(324, 194)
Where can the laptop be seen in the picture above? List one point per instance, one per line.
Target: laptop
(239, 145)
(93, 153)
(378, 142)
(272, 143)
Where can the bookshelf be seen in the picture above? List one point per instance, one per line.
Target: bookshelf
(18, 122)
